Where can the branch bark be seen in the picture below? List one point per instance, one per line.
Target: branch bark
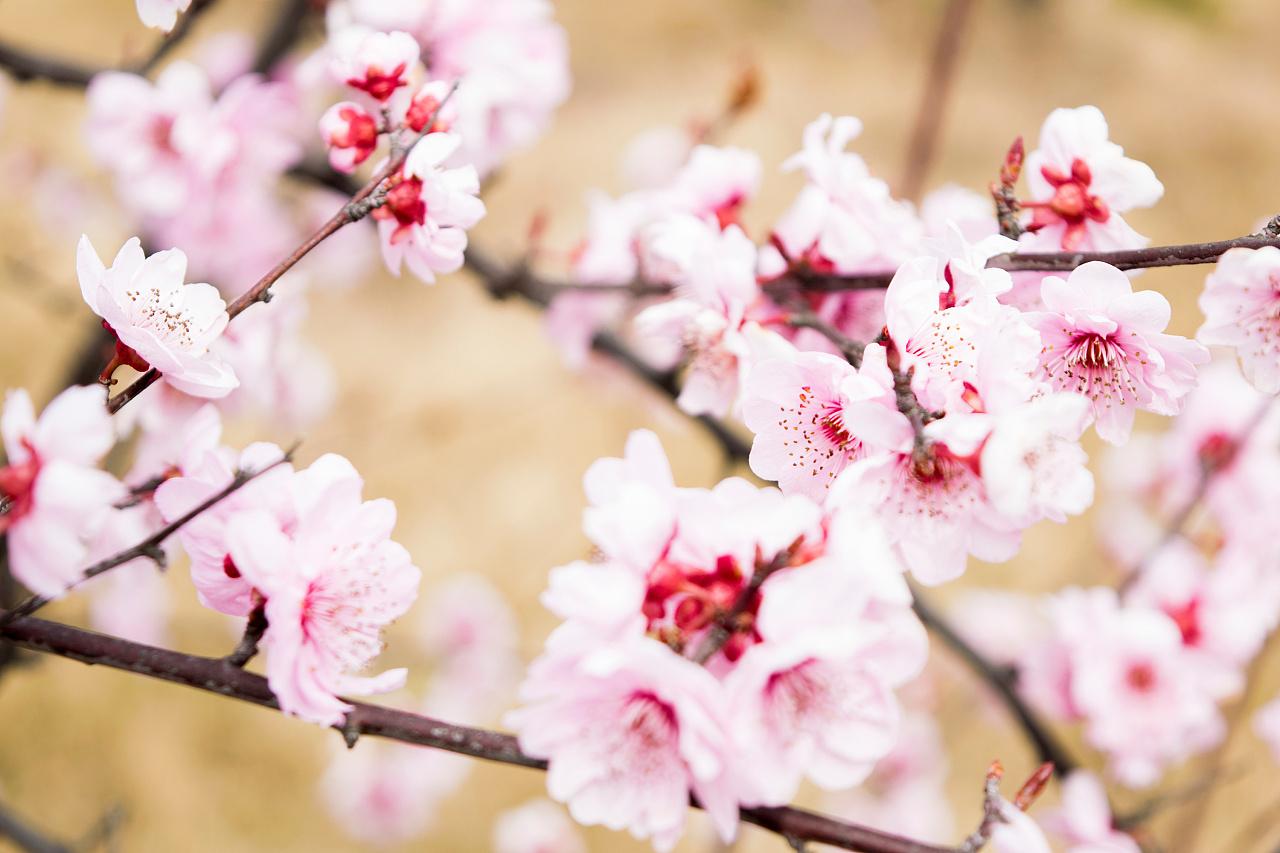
(216, 675)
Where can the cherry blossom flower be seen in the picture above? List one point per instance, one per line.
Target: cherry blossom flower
(1129, 677)
(55, 499)
(630, 731)
(511, 53)
(429, 207)
(815, 697)
(813, 414)
(844, 220)
(1080, 183)
(1241, 305)
(934, 507)
(331, 586)
(377, 64)
(1016, 832)
(132, 600)
(219, 583)
(538, 826)
(714, 272)
(716, 182)
(161, 14)
(158, 321)
(1032, 464)
(1106, 342)
(350, 133)
(1085, 820)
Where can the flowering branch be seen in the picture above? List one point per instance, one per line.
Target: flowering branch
(362, 203)
(150, 547)
(219, 676)
(731, 621)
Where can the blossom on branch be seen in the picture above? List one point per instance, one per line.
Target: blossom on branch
(158, 320)
(1241, 305)
(350, 133)
(331, 585)
(54, 499)
(429, 207)
(1106, 342)
(378, 64)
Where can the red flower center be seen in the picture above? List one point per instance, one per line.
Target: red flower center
(1141, 677)
(17, 482)
(1072, 204)
(378, 83)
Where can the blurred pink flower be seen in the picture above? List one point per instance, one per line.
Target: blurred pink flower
(538, 826)
(54, 496)
(1241, 305)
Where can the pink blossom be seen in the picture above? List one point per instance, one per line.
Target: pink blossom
(630, 731)
(219, 582)
(1032, 464)
(813, 414)
(161, 14)
(1106, 342)
(1144, 705)
(55, 498)
(716, 182)
(1085, 821)
(1016, 832)
(1080, 183)
(377, 64)
(538, 826)
(1223, 614)
(652, 159)
(158, 321)
(429, 207)
(1241, 305)
(953, 206)
(714, 274)
(815, 697)
(350, 132)
(1266, 724)
(934, 508)
(844, 220)
(331, 586)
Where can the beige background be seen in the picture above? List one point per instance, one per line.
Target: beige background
(459, 409)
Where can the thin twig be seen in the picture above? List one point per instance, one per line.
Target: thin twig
(730, 622)
(27, 838)
(247, 648)
(27, 65)
(1002, 681)
(283, 34)
(933, 103)
(215, 675)
(149, 547)
(359, 206)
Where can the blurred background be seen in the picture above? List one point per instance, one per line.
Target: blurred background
(460, 410)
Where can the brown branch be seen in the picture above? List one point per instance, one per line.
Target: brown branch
(247, 648)
(149, 547)
(216, 675)
(283, 34)
(1003, 682)
(924, 137)
(25, 836)
(25, 65)
(361, 204)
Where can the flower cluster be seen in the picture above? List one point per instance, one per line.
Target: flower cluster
(728, 643)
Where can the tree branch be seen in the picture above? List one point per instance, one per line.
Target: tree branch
(1002, 681)
(361, 204)
(26, 837)
(149, 547)
(27, 65)
(216, 675)
(924, 137)
(282, 35)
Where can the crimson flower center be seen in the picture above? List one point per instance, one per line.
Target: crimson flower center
(17, 489)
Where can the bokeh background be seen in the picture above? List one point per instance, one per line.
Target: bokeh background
(460, 410)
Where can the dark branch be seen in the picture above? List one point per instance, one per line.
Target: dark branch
(283, 34)
(26, 837)
(1003, 682)
(218, 676)
(27, 65)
